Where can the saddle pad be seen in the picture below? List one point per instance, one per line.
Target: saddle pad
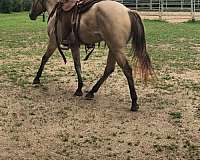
(68, 4)
(85, 5)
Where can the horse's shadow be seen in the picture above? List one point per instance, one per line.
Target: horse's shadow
(63, 95)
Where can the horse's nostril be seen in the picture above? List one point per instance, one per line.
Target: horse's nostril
(32, 17)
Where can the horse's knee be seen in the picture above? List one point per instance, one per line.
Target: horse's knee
(45, 58)
(109, 70)
(48, 54)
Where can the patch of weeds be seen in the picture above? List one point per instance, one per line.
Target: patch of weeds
(93, 140)
(171, 147)
(159, 102)
(163, 104)
(3, 55)
(22, 82)
(161, 148)
(195, 87)
(158, 148)
(192, 149)
(175, 115)
(197, 113)
(164, 86)
(15, 73)
(176, 118)
(167, 77)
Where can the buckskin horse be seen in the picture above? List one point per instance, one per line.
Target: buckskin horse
(107, 21)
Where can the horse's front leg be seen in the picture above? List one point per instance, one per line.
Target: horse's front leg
(50, 49)
(77, 64)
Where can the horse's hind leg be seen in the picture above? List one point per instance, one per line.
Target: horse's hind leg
(108, 70)
(50, 49)
(76, 57)
(127, 70)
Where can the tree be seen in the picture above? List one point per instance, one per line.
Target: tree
(5, 6)
(17, 5)
(26, 4)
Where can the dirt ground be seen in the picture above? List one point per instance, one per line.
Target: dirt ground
(47, 122)
(43, 122)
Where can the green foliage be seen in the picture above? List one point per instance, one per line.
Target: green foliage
(7, 6)
(26, 5)
(17, 5)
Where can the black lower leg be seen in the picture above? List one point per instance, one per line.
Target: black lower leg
(77, 64)
(96, 87)
(39, 73)
(80, 82)
(128, 73)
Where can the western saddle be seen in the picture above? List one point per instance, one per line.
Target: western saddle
(70, 11)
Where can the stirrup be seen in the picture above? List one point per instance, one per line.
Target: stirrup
(64, 47)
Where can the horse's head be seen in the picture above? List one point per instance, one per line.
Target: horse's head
(38, 6)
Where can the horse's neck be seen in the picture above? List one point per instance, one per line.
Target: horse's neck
(50, 5)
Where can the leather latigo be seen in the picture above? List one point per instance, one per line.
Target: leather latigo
(68, 4)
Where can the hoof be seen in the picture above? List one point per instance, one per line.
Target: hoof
(78, 93)
(134, 107)
(36, 81)
(89, 96)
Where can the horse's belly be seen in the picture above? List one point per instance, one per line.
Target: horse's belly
(90, 37)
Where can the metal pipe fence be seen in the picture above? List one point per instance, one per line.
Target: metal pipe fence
(163, 8)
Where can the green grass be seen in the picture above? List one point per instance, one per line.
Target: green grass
(173, 44)
(16, 30)
(170, 45)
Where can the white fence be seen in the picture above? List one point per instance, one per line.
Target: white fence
(166, 9)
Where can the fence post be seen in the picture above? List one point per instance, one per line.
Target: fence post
(160, 9)
(150, 4)
(181, 4)
(136, 5)
(194, 6)
(193, 10)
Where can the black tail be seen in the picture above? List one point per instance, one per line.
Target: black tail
(143, 62)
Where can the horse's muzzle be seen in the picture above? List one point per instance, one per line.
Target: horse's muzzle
(32, 17)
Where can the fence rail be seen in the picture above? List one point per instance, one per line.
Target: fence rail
(163, 8)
